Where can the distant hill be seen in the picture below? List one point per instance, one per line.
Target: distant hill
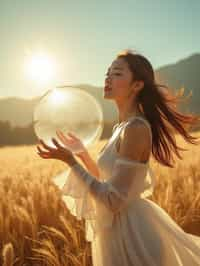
(17, 111)
(184, 73)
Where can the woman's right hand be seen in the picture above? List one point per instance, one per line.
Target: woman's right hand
(72, 142)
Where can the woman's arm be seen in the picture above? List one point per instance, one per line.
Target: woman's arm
(89, 163)
(75, 143)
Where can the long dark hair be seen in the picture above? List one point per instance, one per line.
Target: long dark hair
(158, 104)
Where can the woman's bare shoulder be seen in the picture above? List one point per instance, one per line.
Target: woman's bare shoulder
(135, 141)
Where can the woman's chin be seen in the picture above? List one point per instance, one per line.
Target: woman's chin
(107, 95)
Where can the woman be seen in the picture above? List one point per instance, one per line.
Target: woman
(124, 227)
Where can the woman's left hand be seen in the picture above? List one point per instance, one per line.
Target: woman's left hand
(59, 153)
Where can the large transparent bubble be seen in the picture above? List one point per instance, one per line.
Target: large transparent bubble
(68, 109)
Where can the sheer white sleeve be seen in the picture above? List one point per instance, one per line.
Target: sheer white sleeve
(98, 202)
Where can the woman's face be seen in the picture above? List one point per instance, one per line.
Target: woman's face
(118, 80)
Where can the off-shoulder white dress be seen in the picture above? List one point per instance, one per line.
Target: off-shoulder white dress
(124, 226)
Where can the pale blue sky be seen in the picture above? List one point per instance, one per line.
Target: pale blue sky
(85, 36)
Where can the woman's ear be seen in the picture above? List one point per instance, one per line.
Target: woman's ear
(139, 85)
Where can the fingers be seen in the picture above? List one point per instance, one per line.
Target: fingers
(69, 133)
(45, 156)
(46, 146)
(67, 140)
(39, 149)
(57, 144)
(42, 153)
(72, 135)
(61, 137)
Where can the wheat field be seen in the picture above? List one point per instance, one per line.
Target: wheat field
(36, 227)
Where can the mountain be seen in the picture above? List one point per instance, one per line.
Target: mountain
(184, 73)
(16, 110)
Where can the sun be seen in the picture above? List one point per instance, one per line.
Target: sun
(40, 68)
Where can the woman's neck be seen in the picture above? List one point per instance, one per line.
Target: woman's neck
(123, 116)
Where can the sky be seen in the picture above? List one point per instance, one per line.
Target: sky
(78, 40)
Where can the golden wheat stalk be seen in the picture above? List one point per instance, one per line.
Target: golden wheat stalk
(8, 255)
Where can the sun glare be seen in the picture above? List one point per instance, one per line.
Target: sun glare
(57, 97)
(40, 68)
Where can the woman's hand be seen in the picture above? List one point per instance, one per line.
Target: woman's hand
(59, 153)
(73, 142)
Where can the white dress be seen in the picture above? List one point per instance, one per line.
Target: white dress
(124, 227)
